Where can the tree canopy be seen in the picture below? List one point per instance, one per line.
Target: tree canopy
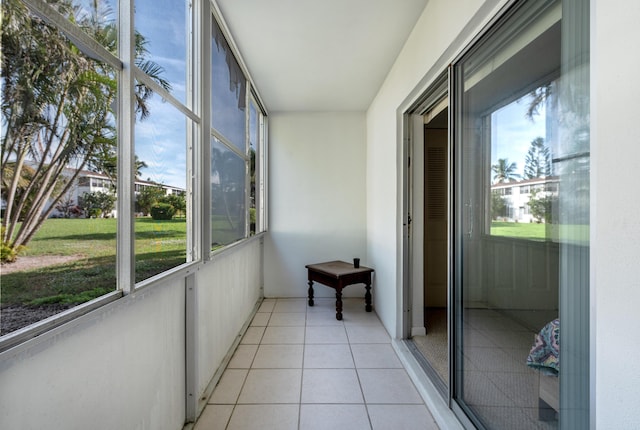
(504, 171)
(537, 163)
(57, 111)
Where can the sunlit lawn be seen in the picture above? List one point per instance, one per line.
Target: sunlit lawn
(159, 245)
(533, 231)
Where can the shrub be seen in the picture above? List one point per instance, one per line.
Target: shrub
(7, 253)
(162, 211)
(95, 213)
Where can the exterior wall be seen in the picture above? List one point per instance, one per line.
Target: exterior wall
(316, 199)
(615, 227)
(122, 366)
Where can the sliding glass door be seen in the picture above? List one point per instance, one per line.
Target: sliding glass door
(521, 224)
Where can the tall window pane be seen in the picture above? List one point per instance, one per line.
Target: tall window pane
(228, 92)
(163, 23)
(58, 170)
(228, 195)
(161, 190)
(521, 234)
(254, 174)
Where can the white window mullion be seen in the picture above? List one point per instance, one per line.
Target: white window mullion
(126, 156)
(205, 126)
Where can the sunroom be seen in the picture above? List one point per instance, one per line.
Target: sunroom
(170, 168)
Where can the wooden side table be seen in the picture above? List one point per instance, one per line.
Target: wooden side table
(338, 275)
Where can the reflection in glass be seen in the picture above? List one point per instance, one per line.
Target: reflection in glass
(228, 92)
(228, 208)
(522, 252)
(524, 191)
(160, 190)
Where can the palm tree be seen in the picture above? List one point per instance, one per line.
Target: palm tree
(56, 110)
(504, 171)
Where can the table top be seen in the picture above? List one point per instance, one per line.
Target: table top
(337, 268)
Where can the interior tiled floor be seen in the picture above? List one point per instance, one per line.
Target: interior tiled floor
(297, 367)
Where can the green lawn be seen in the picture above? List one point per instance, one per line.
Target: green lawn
(159, 245)
(533, 231)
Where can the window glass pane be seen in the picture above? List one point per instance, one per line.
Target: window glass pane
(228, 195)
(161, 189)
(161, 28)
(58, 172)
(228, 92)
(521, 234)
(521, 177)
(254, 135)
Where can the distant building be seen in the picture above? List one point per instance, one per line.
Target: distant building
(90, 182)
(517, 194)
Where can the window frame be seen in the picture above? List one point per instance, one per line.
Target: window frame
(251, 97)
(195, 108)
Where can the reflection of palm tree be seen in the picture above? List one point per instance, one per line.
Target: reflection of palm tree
(504, 171)
(228, 178)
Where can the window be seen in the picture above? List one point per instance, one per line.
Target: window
(521, 260)
(62, 204)
(163, 138)
(65, 226)
(237, 140)
(257, 168)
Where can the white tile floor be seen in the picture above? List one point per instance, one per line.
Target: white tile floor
(297, 367)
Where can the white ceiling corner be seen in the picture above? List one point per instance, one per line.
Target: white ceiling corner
(322, 55)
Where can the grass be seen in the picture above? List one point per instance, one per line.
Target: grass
(159, 246)
(533, 231)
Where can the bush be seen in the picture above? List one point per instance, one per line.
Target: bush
(95, 213)
(7, 253)
(162, 211)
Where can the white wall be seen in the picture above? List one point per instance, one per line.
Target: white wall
(122, 366)
(441, 31)
(228, 289)
(615, 225)
(317, 194)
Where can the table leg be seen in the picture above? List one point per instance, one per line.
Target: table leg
(310, 293)
(367, 298)
(339, 304)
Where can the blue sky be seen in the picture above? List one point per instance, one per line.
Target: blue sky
(160, 139)
(512, 132)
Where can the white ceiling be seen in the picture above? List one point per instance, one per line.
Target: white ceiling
(319, 55)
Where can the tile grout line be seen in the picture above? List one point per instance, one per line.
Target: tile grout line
(355, 368)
